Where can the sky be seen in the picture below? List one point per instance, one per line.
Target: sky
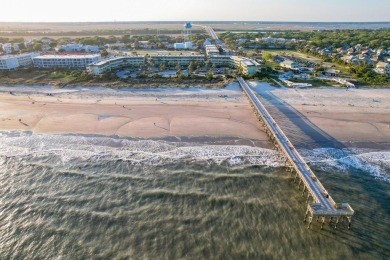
(195, 10)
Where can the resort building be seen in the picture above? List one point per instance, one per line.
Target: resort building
(211, 50)
(177, 59)
(104, 66)
(11, 62)
(182, 46)
(221, 61)
(247, 66)
(78, 61)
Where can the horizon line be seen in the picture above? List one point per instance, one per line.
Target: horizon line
(194, 21)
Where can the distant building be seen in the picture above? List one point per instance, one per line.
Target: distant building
(27, 43)
(91, 48)
(331, 72)
(350, 59)
(16, 46)
(206, 43)
(119, 45)
(78, 61)
(11, 62)
(103, 66)
(248, 66)
(46, 40)
(291, 65)
(73, 47)
(271, 40)
(45, 48)
(182, 60)
(183, 46)
(7, 47)
(211, 50)
(383, 68)
(221, 60)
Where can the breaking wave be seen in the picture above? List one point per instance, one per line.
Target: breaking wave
(66, 150)
(376, 163)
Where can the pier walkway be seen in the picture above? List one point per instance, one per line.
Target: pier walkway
(322, 205)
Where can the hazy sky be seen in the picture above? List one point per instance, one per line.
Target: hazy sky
(195, 10)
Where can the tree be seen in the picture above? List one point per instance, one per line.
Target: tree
(191, 66)
(268, 56)
(209, 75)
(37, 46)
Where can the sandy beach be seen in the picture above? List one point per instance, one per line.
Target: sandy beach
(129, 114)
(355, 116)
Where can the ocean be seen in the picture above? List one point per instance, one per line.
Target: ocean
(98, 197)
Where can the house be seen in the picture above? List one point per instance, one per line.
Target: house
(350, 59)
(16, 46)
(45, 48)
(46, 40)
(7, 47)
(365, 60)
(331, 72)
(291, 65)
(73, 47)
(119, 45)
(383, 68)
(206, 43)
(27, 43)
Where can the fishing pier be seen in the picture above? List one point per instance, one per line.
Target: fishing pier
(320, 204)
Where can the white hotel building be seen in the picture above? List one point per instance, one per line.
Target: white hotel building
(247, 66)
(66, 61)
(11, 62)
(104, 66)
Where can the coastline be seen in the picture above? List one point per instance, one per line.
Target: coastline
(196, 112)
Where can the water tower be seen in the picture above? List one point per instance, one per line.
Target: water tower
(187, 33)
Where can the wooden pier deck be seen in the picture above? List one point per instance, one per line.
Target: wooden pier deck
(322, 204)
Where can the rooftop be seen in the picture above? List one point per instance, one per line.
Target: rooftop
(68, 56)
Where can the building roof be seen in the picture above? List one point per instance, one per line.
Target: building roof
(102, 62)
(382, 64)
(4, 57)
(68, 56)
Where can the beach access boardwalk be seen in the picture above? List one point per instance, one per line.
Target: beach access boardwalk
(322, 204)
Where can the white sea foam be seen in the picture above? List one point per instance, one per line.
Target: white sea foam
(150, 152)
(156, 152)
(376, 163)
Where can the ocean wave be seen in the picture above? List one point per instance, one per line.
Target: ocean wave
(68, 149)
(68, 152)
(376, 163)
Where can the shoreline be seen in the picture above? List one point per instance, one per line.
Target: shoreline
(319, 116)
